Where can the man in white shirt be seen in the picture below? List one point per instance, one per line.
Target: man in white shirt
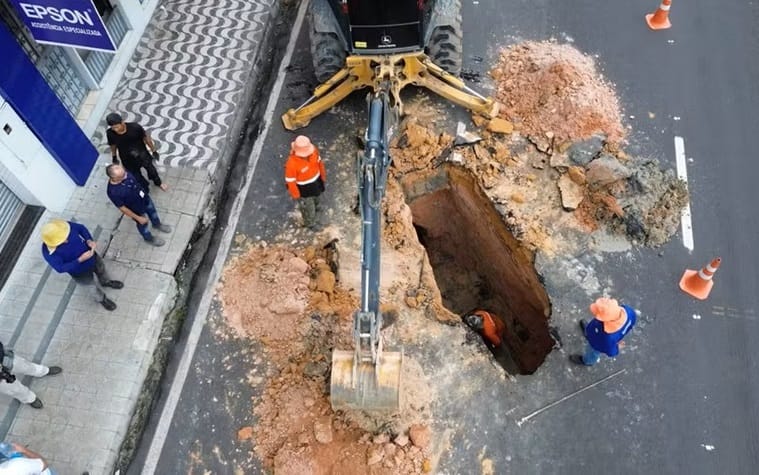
(24, 462)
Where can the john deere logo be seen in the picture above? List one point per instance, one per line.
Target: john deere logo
(386, 40)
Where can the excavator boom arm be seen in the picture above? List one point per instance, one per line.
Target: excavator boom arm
(367, 377)
(372, 175)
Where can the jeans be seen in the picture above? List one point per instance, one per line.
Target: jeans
(97, 276)
(307, 208)
(591, 356)
(22, 366)
(154, 219)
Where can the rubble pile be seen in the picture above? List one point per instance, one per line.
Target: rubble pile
(292, 303)
(552, 92)
(558, 164)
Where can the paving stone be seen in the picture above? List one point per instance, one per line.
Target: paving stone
(73, 399)
(12, 309)
(19, 292)
(61, 448)
(120, 405)
(30, 338)
(23, 426)
(45, 417)
(5, 335)
(38, 317)
(8, 322)
(47, 302)
(101, 458)
(62, 467)
(79, 383)
(107, 421)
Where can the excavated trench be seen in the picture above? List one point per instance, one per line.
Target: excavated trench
(478, 263)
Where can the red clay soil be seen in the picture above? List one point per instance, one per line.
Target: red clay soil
(550, 88)
(288, 301)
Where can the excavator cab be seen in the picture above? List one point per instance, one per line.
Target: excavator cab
(357, 44)
(385, 26)
(343, 28)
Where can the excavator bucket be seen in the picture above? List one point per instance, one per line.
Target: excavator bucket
(371, 388)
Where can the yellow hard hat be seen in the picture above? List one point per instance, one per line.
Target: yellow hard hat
(55, 232)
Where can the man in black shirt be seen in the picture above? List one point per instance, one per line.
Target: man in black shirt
(130, 140)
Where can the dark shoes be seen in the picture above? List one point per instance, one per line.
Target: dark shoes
(164, 228)
(156, 241)
(577, 359)
(37, 404)
(114, 284)
(108, 304)
(53, 370)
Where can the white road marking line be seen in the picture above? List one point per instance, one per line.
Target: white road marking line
(167, 415)
(682, 173)
(568, 396)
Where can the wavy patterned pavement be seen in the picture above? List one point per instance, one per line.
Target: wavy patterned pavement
(187, 75)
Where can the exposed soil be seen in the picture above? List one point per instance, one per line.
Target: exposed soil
(289, 301)
(553, 90)
(478, 263)
(546, 175)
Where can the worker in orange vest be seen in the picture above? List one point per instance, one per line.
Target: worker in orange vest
(305, 178)
(490, 326)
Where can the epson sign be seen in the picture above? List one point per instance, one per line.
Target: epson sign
(65, 23)
(67, 15)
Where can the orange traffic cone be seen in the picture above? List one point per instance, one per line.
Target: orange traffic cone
(659, 20)
(700, 283)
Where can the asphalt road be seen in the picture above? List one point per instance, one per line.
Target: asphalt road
(687, 399)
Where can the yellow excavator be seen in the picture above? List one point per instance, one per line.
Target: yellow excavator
(384, 45)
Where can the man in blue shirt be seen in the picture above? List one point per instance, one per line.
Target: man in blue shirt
(132, 199)
(69, 247)
(605, 332)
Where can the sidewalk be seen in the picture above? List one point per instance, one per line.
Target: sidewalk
(184, 84)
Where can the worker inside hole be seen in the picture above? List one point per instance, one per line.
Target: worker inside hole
(488, 325)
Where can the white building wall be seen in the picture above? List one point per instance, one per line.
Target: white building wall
(27, 168)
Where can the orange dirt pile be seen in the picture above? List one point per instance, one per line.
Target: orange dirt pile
(415, 145)
(552, 89)
(290, 301)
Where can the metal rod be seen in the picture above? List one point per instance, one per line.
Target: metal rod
(568, 396)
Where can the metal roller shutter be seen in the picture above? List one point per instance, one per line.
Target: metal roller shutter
(10, 209)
